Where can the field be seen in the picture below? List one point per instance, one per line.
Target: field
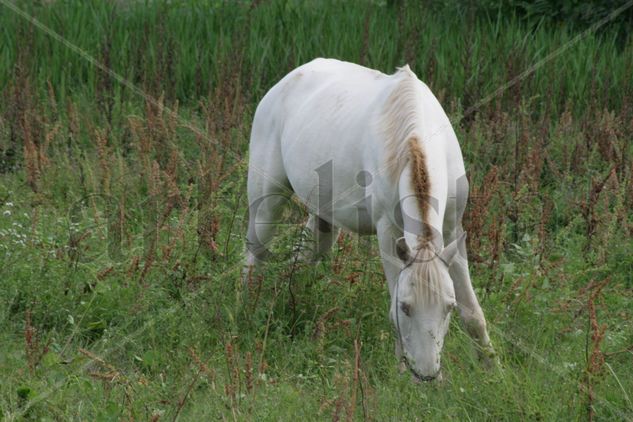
(123, 154)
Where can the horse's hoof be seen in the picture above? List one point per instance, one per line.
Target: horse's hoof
(489, 358)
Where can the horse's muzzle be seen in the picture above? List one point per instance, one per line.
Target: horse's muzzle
(419, 378)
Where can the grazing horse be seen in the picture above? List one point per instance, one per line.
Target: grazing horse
(373, 154)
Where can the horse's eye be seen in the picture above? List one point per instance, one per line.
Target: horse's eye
(406, 308)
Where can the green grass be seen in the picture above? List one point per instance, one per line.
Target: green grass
(122, 225)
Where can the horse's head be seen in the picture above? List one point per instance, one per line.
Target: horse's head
(421, 306)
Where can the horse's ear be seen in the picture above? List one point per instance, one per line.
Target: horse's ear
(402, 249)
(449, 252)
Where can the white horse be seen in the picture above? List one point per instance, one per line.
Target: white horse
(371, 153)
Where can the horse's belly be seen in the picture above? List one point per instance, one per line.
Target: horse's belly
(355, 219)
(352, 211)
(335, 192)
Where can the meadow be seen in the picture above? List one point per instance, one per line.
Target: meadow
(123, 153)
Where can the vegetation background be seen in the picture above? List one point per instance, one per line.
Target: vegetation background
(123, 137)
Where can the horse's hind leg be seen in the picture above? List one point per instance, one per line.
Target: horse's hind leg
(264, 213)
(319, 239)
(268, 193)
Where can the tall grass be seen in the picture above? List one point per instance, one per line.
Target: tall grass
(181, 48)
(122, 217)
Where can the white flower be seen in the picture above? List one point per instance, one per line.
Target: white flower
(9, 204)
(6, 213)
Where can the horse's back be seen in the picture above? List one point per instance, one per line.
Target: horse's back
(324, 86)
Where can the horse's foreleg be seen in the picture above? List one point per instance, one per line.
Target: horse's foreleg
(469, 308)
(391, 264)
(467, 303)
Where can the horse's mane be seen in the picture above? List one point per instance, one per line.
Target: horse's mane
(427, 288)
(399, 119)
(403, 144)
